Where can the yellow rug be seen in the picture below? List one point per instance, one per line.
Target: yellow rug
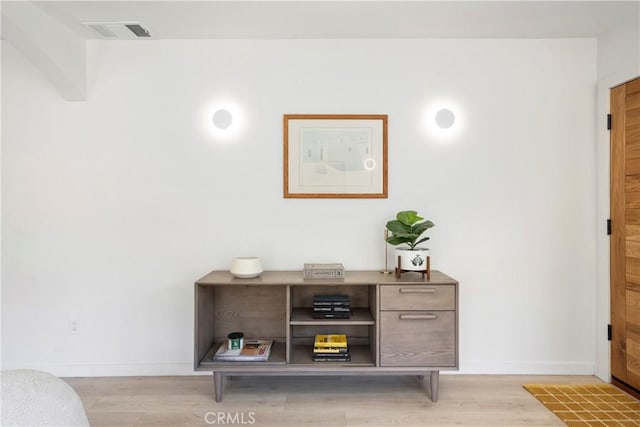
(588, 405)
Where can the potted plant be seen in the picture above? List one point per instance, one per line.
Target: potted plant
(407, 229)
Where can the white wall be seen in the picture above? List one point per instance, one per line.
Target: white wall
(618, 62)
(113, 207)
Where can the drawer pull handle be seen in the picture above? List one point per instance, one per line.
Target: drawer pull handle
(418, 316)
(417, 291)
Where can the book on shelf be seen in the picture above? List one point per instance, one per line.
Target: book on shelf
(332, 297)
(330, 350)
(327, 358)
(331, 301)
(335, 308)
(331, 315)
(330, 340)
(331, 304)
(318, 300)
(255, 350)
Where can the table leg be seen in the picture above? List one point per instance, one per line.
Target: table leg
(217, 385)
(435, 376)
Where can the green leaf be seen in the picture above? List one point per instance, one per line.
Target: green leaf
(408, 217)
(422, 227)
(398, 227)
(424, 239)
(410, 236)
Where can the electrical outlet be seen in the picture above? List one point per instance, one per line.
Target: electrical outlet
(73, 327)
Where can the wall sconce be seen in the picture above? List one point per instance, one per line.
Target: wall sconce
(445, 118)
(222, 119)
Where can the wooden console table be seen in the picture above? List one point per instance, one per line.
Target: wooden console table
(405, 326)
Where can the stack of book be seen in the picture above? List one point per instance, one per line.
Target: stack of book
(331, 348)
(253, 351)
(331, 307)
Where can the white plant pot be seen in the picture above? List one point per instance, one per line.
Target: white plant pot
(414, 260)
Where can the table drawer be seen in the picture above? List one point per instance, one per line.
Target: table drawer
(418, 297)
(418, 338)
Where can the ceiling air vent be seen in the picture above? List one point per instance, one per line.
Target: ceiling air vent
(138, 30)
(119, 30)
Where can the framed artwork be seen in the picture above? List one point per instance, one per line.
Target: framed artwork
(335, 156)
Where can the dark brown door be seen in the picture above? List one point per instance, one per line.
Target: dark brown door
(625, 233)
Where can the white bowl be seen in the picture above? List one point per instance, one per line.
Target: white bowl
(246, 267)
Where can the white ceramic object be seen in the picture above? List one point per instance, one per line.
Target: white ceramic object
(414, 260)
(246, 267)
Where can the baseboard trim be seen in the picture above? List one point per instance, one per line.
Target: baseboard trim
(527, 368)
(112, 370)
(181, 369)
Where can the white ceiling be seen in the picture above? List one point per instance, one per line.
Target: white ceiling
(350, 19)
(50, 33)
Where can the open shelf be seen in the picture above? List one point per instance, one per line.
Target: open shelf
(276, 358)
(304, 316)
(360, 356)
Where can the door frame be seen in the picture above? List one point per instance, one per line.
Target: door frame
(617, 239)
(619, 362)
(602, 345)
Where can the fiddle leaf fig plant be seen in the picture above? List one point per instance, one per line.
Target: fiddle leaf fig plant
(407, 229)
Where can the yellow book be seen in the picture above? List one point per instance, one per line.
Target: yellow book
(332, 340)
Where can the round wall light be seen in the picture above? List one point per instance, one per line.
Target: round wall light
(222, 119)
(445, 118)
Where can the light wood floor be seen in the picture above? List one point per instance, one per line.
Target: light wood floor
(464, 400)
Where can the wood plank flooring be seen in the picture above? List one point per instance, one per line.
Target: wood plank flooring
(467, 400)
